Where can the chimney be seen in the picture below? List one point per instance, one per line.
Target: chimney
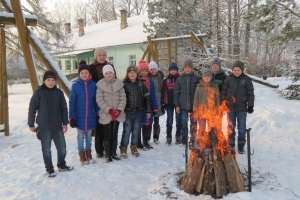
(67, 28)
(150, 9)
(123, 19)
(80, 27)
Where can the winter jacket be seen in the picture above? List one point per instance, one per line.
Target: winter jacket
(110, 95)
(137, 96)
(203, 92)
(96, 70)
(157, 89)
(239, 92)
(51, 108)
(219, 78)
(82, 104)
(153, 103)
(168, 89)
(184, 91)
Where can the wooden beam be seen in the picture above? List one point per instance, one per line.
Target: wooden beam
(175, 52)
(199, 43)
(2, 83)
(169, 50)
(150, 44)
(16, 7)
(176, 38)
(3, 75)
(156, 51)
(145, 52)
(9, 19)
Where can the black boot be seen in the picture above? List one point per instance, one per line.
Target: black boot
(146, 136)
(241, 145)
(156, 132)
(114, 150)
(107, 148)
(140, 145)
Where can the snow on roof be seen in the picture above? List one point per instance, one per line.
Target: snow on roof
(110, 34)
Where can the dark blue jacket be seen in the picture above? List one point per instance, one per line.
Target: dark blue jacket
(168, 89)
(153, 105)
(51, 106)
(82, 104)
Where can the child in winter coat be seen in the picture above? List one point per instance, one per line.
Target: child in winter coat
(137, 98)
(111, 98)
(184, 91)
(206, 100)
(219, 74)
(143, 69)
(155, 76)
(167, 103)
(83, 110)
(52, 119)
(238, 91)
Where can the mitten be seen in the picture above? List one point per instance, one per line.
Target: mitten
(112, 113)
(155, 111)
(250, 109)
(73, 123)
(117, 113)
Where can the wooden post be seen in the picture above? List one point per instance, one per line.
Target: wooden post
(150, 44)
(16, 7)
(198, 42)
(169, 49)
(3, 75)
(156, 51)
(175, 52)
(145, 52)
(1, 88)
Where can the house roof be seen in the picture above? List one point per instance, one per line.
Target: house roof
(109, 33)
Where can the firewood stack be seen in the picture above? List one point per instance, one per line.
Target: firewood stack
(213, 169)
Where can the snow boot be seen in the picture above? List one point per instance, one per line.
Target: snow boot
(168, 141)
(156, 132)
(114, 146)
(51, 173)
(241, 145)
(140, 145)
(107, 149)
(178, 140)
(65, 168)
(123, 152)
(134, 151)
(145, 132)
(88, 155)
(82, 158)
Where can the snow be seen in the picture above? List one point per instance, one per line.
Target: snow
(274, 139)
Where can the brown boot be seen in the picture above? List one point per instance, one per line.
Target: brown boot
(82, 158)
(123, 152)
(134, 151)
(88, 155)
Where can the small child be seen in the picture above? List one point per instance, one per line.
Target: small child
(184, 91)
(52, 119)
(147, 122)
(111, 98)
(219, 74)
(156, 77)
(83, 110)
(238, 91)
(138, 97)
(167, 103)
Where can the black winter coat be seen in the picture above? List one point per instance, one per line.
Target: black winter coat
(184, 91)
(167, 92)
(96, 70)
(51, 107)
(137, 96)
(239, 92)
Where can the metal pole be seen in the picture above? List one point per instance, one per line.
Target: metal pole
(249, 160)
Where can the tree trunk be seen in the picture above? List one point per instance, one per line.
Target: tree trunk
(247, 33)
(229, 39)
(236, 49)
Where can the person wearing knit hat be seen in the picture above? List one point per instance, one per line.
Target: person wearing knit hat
(153, 65)
(173, 66)
(219, 75)
(207, 71)
(82, 97)
(188, 63)
(108, 68)
(143, 66)
(49, 74)
(100, 51)
(238, 92)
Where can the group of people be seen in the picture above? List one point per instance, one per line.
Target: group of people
(99, 101)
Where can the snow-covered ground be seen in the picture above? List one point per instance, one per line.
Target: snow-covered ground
(275, 139)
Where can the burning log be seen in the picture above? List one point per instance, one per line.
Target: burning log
(192, 177)
(235, 180)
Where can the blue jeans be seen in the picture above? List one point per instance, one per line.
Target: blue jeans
(59, 140)
(170, 115)
(132, 125)
(81, 135)
(240, 118)
(184, 123)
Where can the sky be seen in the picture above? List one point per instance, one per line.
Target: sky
(275, 140)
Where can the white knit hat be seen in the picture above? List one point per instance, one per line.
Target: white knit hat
(108, 68)
(153, 65)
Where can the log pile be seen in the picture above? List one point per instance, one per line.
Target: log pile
(212, 171)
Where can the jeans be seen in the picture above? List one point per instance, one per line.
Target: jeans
(184, 123)
(240, 117)
(59, 140)
(132, 125)
(81, 135)
(170, 116)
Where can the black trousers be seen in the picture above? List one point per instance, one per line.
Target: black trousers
(111, 131)
(99, 137)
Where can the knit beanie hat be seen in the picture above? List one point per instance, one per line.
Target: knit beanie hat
(207, 71)
(216, 61)
(132, 68)
(239, 64)
(173, 66)
(108, 68)
(143, 65)
(188, 62)
(153, 65)
(49, 74)
(82, 66)
(99, 51)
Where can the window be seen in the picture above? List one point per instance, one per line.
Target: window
(75, 64)
(111, 60)
(132, 59)
(59, 64)
(67, 64)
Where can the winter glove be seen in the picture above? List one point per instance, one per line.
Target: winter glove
(117, 113)
(155, 111)
(250, 109)
(73, 123)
